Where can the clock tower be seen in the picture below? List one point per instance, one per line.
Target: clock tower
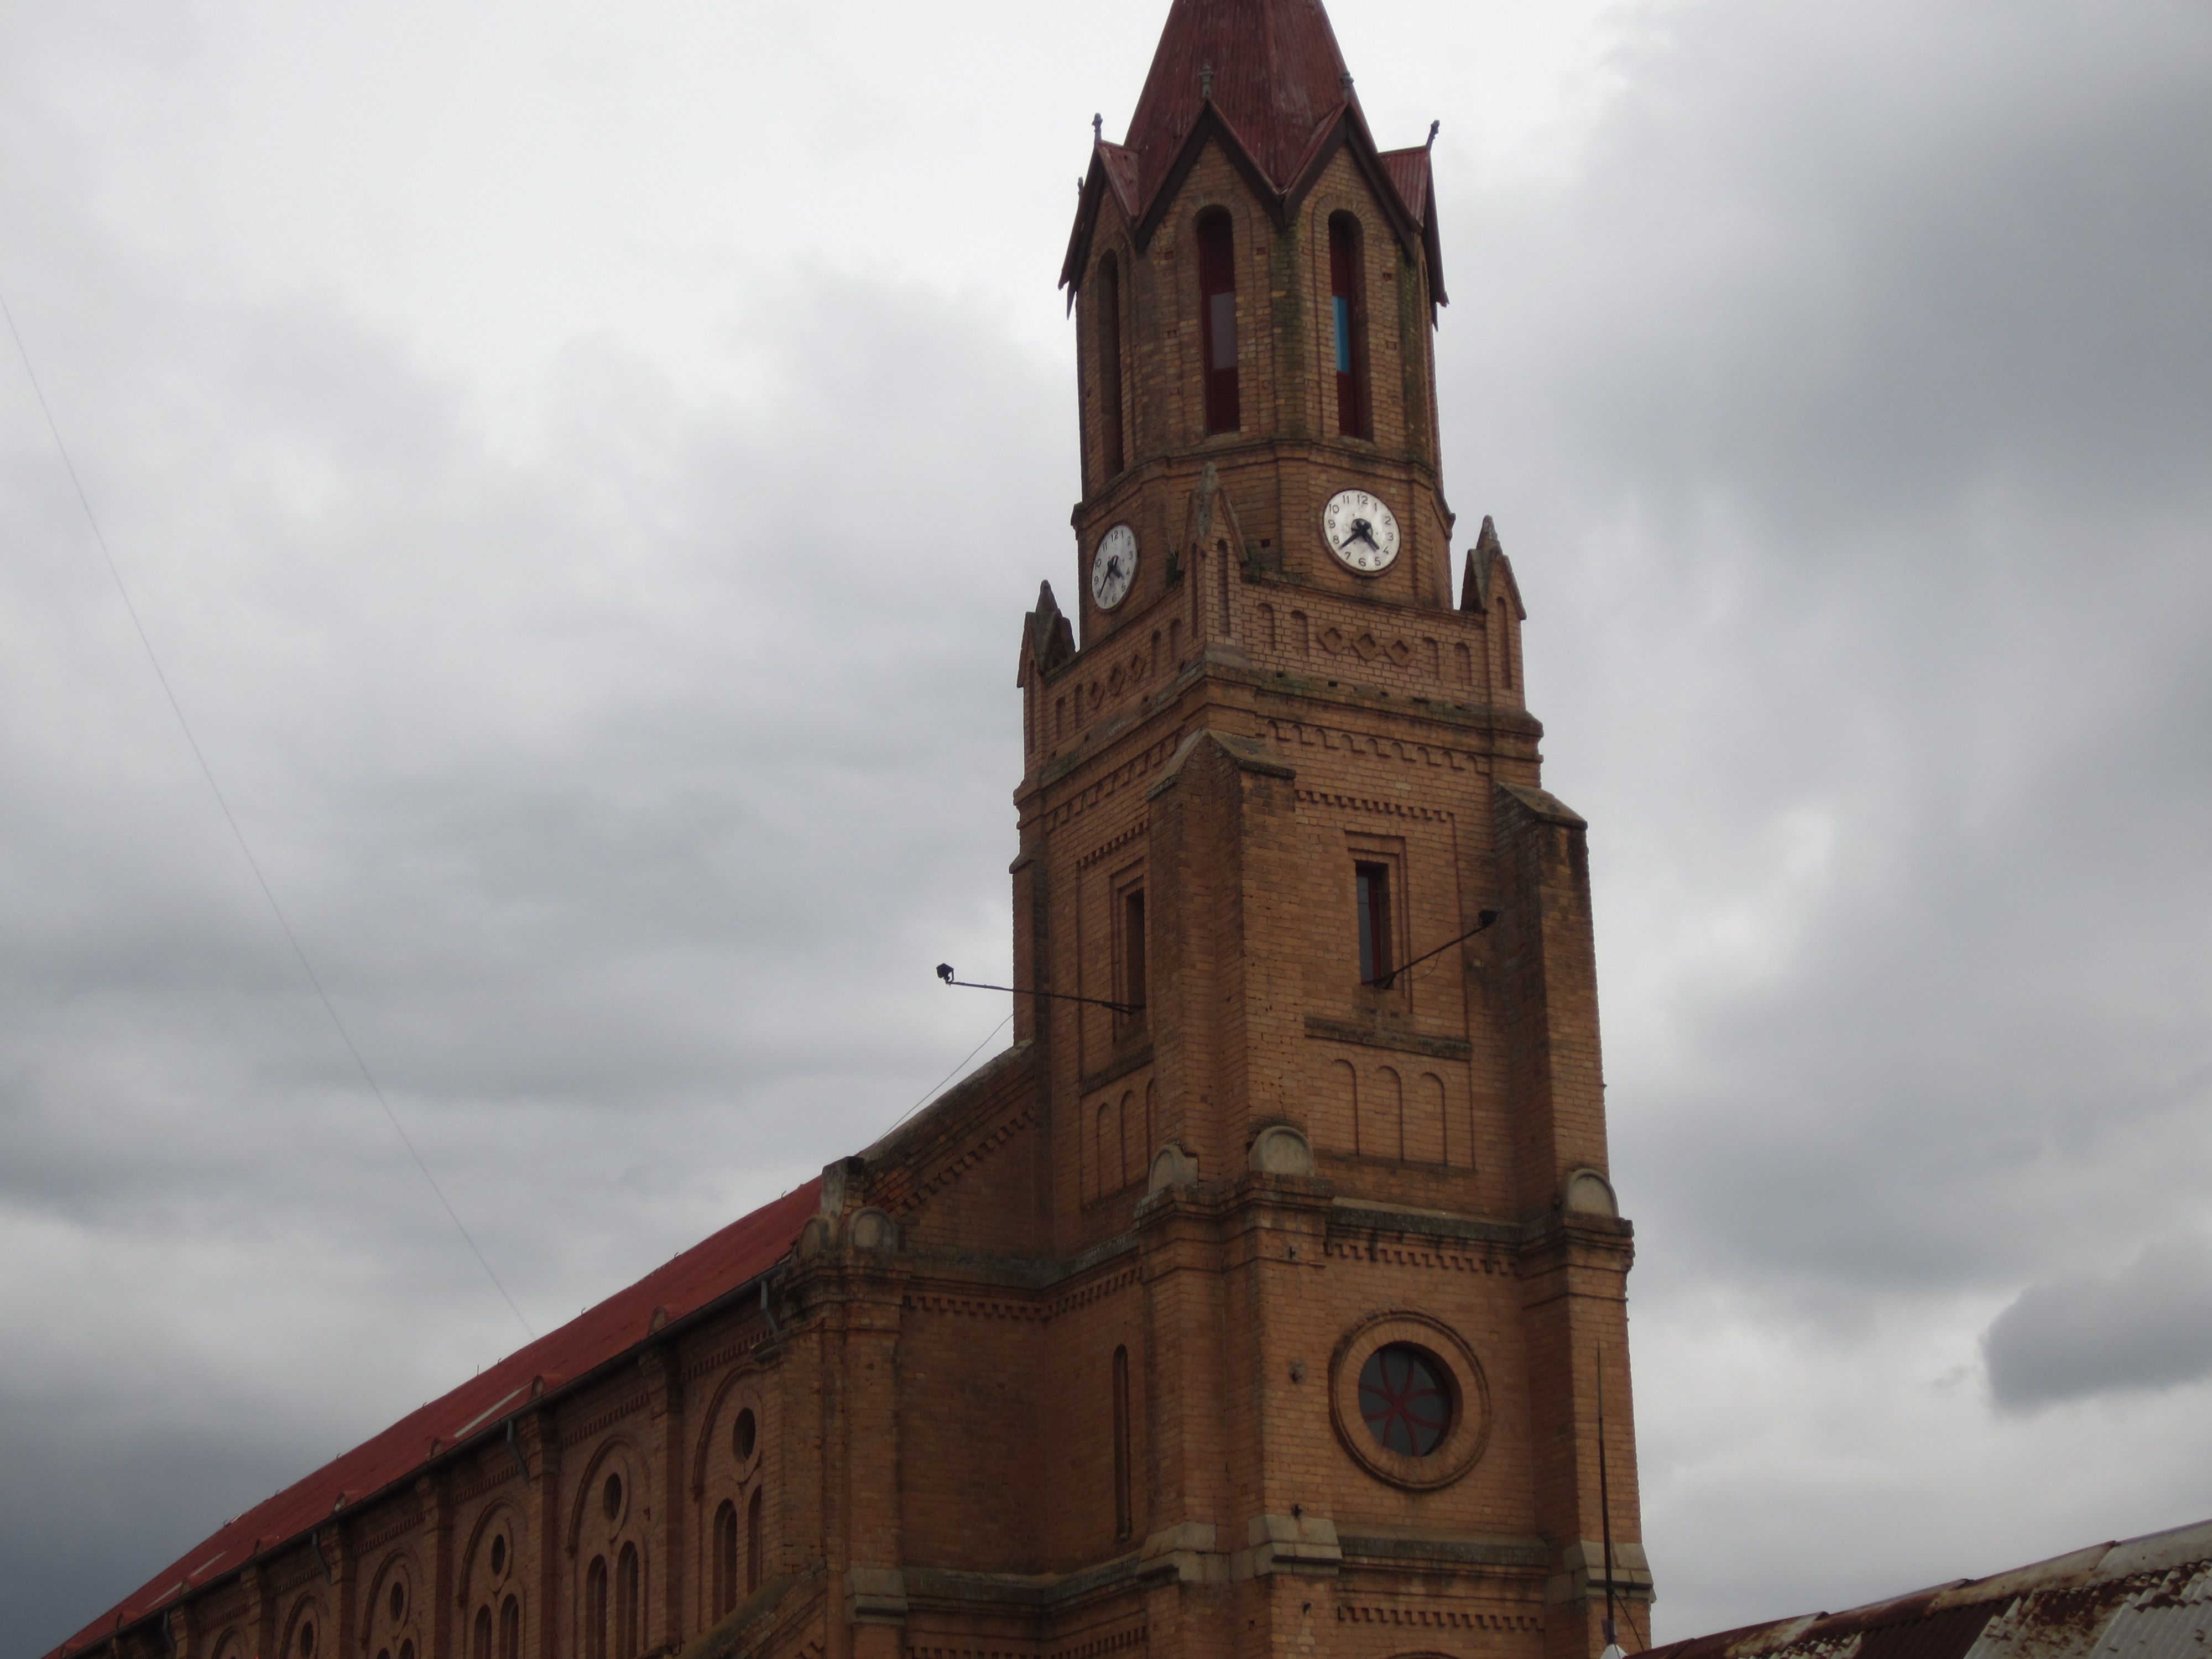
(1315, 1004)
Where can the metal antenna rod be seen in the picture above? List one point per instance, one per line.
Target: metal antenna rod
(1605, 1505)
(944, 973)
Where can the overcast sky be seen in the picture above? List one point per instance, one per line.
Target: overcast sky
(582, 470)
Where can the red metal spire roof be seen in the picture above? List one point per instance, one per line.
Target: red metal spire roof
(708, 1271)
(1275, 75)
(1264, 78)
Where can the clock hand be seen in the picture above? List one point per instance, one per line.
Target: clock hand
(1362, 532)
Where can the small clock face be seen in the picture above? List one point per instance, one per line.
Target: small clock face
(1114, 566)
(1360, 530)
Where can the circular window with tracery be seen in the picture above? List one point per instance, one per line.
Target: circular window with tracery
(1404, 1398)
(1408, 1400)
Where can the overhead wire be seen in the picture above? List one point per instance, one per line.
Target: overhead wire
(222, 801)
(937, 1088)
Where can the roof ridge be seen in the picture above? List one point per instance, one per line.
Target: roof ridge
(689, 1283)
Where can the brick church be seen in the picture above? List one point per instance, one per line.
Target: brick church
(1267, 1295)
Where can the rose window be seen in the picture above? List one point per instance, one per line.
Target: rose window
(1404, 1400)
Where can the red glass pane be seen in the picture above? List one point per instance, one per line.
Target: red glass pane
(1404, 1400)
(1347, 312)
(1217, 282)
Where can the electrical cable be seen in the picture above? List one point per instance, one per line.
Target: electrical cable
(1384, 981)
(939, 1087)
(253, 864)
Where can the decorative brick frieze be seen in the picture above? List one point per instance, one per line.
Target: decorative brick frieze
(392, 1520)
(1114, 844)
(629, 1406)
(1415, 1617)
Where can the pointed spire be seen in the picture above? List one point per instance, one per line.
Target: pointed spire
(1264, 78)
(1481, 559)
(1048, 639)
(1271, 67)
(1487, 565)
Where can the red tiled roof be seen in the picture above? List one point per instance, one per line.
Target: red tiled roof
(1277, 76)
(731, 1258)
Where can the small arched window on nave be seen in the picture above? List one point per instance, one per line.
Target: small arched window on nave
(629, 1604)
(725, 1558)
(595, 1609)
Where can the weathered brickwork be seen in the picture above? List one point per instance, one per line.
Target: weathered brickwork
(1070, 1366)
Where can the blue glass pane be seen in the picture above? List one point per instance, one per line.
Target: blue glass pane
(1343, 334)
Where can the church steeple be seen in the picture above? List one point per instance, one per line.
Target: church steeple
(1319, 1009)
(1255, 283)
(1270, 67)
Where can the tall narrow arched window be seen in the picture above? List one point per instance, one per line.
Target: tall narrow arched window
(1124, 1520)
(1113, 452)
(480, 1641)
(1347, 288)
(755, 1555)
(627, 1601)
(510, 1629)
(595, 1609)
(726, 1558)
(1217, 317)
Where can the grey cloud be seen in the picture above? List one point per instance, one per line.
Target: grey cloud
(1846, 423)
(2148, 1326)
(623, 796)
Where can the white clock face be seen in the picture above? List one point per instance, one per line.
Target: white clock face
(1114, 566)
(1360, 530)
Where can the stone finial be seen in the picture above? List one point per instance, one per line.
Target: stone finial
(874, 1232)
(1171, 1167)
(1281, 1148)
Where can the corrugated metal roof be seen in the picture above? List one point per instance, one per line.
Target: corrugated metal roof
(727, 1261)
(2166, 1620)
(2143, 1598)
(1936, 1635)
